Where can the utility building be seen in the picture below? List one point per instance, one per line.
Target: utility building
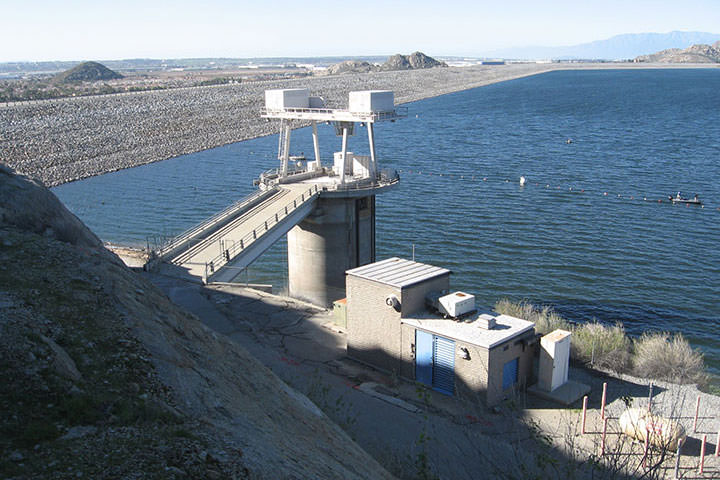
(401, 318)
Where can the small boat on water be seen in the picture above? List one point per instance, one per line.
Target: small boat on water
(680, 199)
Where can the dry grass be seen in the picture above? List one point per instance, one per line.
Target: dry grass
(545, 318)
(659, 356)
(663, 356)
(602, 346)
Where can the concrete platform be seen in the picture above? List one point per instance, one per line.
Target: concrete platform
(566, 394)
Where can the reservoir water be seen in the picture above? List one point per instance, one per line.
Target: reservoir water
(586, 233)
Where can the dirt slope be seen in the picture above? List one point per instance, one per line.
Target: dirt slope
(103, 377)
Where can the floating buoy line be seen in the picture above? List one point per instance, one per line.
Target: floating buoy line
(525, 182)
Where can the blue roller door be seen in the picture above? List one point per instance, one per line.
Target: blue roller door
(435, 362)
(444, 365)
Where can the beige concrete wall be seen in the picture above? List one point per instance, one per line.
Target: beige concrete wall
(502, 354)
(471, 376)
(373, 327)
(478, 379)
(413, 297)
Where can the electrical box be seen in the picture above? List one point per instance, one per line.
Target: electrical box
(287, 98)
(340, 312)
(369, 101)
(337, 163)
(456, 304)
(554, 360)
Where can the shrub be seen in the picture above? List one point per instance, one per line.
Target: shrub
(602, 346)
(545, 318)
(663, 356)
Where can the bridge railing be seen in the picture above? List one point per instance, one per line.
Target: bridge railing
(191, 234)
(239, 245)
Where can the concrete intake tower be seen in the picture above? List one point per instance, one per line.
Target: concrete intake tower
(326, 208)
(339, 232)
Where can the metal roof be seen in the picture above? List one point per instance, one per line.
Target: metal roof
(398, 272)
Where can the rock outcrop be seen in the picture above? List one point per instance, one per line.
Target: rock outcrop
(352, 66)
(414, 61)
(693, 54)
(103, 377)
(87, 72)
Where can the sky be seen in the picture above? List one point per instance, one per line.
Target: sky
(36, 30)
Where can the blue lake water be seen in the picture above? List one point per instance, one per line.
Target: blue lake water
(585, 234)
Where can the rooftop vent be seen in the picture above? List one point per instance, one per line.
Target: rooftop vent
(453, 305)
(485, 321)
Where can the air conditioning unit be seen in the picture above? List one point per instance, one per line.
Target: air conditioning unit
(456, 304)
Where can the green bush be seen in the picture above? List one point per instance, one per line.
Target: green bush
(601, 346)
(663, 356)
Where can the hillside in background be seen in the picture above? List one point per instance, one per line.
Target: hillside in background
(414, 61)
(693, 54)
(87, 72)
(103, 377)
(619, 47)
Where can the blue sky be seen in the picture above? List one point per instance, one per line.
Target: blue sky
(101, 30)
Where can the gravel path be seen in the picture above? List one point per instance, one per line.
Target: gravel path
(63, 140)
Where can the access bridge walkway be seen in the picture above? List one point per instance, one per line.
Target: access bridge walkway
(219, 248)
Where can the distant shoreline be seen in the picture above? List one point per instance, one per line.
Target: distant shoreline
(64, 140)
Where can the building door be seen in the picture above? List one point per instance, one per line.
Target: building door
(423, 357)
(510, 374)
(435, 362)
(444, 365)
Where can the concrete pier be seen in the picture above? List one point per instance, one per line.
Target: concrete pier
(338, 235)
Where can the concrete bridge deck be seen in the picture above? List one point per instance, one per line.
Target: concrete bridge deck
(217, 250)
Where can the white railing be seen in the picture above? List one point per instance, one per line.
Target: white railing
(191, 233)
(244, 242)
(331, 114)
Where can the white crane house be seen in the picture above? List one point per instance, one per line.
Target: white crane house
(364, 108)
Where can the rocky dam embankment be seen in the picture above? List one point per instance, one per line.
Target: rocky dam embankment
(62, 140)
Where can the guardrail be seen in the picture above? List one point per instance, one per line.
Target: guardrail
(243, 243)
(397, 112)
(190, 234)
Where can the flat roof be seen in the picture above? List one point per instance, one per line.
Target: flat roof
(469, 331)
(398, 272)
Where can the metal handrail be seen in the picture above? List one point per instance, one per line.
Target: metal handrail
(189, 234)
(397, 112)
(271, 221)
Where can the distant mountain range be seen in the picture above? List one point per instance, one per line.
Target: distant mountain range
(619, 47)
(693, 54)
